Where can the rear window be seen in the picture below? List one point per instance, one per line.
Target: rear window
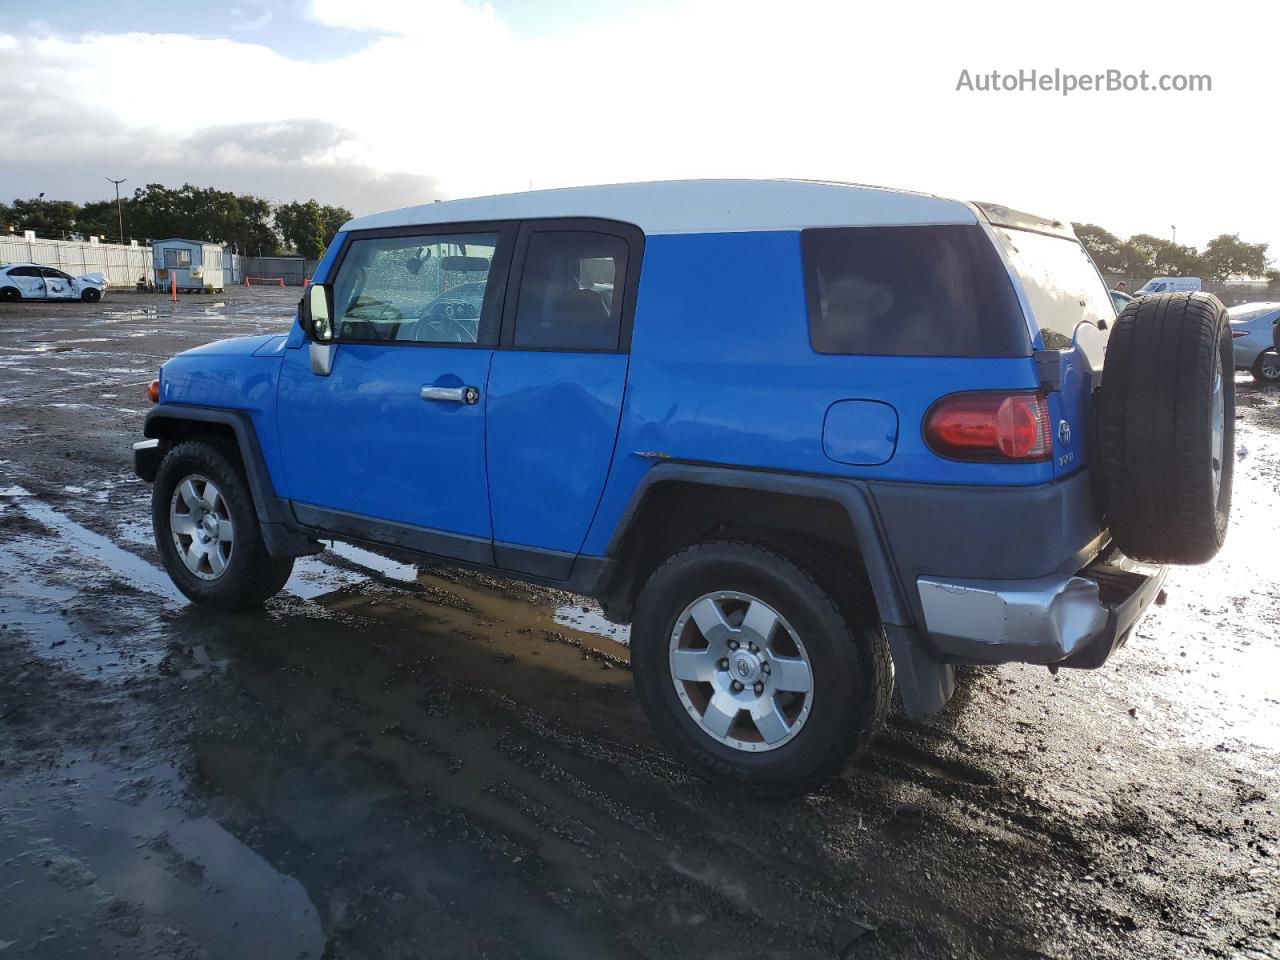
(1062, 285)
(925, 291)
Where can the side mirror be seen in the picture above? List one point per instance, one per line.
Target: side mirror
(315, 312)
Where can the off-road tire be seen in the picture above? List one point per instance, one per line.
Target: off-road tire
(91, 295)
(1259, 374)
(834, 614)
(10, 294)
(252, 574)
(1155, 433)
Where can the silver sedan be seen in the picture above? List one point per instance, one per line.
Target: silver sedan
(1253, 337)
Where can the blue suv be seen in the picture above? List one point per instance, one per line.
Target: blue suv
(813, 441)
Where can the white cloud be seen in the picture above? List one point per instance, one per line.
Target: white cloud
(444, 89)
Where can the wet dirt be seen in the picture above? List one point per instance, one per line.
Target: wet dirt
(399, 759)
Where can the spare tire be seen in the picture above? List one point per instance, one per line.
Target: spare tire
(1166, 418)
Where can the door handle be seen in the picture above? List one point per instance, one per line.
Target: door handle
(467, 395)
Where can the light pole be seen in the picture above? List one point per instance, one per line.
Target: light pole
(119, 210)
(1175, 233)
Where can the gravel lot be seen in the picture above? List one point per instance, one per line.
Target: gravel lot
(403, 761)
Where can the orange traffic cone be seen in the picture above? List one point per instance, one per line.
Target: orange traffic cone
(173, 287)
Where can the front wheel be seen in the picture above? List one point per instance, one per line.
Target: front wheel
(1266, 369)
(207, 531)
(91, 295)
(756, 673)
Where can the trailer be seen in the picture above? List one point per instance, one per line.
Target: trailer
(196, 266)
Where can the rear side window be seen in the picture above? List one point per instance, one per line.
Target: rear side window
(926, 291)
(567, 287)
(1061, 283)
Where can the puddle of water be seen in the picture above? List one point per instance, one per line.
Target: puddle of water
(100, 845)
(591, 619)
(128, 566)
(405, 572)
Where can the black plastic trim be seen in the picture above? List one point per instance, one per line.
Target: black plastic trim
(545, 564)
(852, 495)
(321, 521)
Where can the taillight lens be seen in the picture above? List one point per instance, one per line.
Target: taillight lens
(989, 426)
(153, 391)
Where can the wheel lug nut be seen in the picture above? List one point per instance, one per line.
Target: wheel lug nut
(766, 668)
(736, 687)
(759, 687)
(752, 647)
(723, 664)
(733, 644)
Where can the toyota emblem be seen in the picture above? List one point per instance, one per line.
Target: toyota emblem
(1064, 433)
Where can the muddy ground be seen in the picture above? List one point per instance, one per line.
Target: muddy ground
(402, 761)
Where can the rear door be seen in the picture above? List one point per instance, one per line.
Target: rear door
(1073, 312)
(396, 431)
(556, 387)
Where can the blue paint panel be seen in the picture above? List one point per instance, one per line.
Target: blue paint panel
(552, 420)
(722, 372)
(363, 440)
(229, 377)
(860, 432)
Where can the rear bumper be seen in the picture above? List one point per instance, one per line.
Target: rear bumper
(1072, 621)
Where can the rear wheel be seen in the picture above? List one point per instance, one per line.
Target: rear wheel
(754, 672)
(91, 295)
(1166, 427)
(1266, 369)
(10, 294)
(207, 531)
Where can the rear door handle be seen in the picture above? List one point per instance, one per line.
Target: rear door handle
(467, 395)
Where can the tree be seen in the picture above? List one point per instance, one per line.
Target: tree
(1163, 258)
(49, 218)
(1103, 245)
(1228, 256)
(309, 226)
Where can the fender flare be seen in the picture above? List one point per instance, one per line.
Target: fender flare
(280, 530)
(851, 495)
(924, 682)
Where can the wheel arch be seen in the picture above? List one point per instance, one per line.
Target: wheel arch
(172, 424)
(679, 504)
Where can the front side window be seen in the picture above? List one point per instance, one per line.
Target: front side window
(52, 274)
(418, 289)
(924, 291)
(1062, 285)
(177, 258)
(567, 291)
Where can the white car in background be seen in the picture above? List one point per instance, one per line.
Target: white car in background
(31, 281)
(1253, 339)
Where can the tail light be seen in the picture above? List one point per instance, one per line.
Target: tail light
(991, 426)
(153, 391)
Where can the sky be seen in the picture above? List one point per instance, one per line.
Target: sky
(379, 104)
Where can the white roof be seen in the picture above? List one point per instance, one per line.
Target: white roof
(696, 206)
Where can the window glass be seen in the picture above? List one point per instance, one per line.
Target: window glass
(54, 274)
(25, 272)
(174, 257)
(567, 299)
(937, 291)
(1061, 283)
(419, 289)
